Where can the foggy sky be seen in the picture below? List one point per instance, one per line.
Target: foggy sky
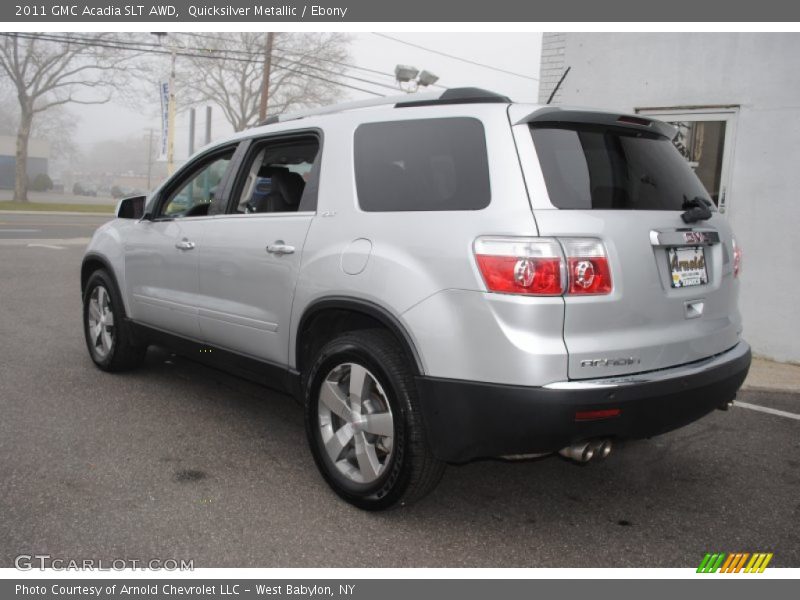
(518, 52)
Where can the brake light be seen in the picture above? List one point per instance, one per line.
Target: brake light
(521, 265)
(587, 266)
(544, 266)
(737, 258)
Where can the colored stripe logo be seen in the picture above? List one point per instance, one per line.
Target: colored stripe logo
(738, 562)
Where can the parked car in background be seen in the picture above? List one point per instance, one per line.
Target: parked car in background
(84, 189)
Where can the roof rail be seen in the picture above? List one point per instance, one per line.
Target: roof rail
(468, 95)
(465, 95)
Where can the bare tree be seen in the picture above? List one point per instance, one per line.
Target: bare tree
(49, 71)
(57, 126)
(303, 72)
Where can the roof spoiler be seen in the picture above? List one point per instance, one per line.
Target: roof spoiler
(554, 114)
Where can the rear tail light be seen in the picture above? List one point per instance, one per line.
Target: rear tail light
(521, 265)
(543, 266)
(587, 266)
(737, 258)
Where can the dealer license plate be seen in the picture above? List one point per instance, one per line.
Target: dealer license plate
(687, 266)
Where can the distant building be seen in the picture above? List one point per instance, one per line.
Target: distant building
(38, 158)
(735, 98)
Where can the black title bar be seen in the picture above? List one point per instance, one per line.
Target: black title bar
(253, 11)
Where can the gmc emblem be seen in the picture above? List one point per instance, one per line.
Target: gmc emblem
(695, 237)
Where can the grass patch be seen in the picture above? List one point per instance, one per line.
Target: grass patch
(56, 206)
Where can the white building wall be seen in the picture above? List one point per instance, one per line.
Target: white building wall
(760, 73)
(552, 65)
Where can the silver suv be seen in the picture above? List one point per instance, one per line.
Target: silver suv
(436, 278)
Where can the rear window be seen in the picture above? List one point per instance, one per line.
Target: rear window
(425, 164)
(597, 167)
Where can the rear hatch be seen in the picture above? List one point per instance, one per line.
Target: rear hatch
(620, 179)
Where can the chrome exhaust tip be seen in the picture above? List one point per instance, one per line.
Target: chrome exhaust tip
(582, 452)
(602, 448)
(726, 405)
(605, 449)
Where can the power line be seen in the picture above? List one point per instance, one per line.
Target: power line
(134, 46)
(296, 53)
(454, 57)
(208, 54)
(300, 62)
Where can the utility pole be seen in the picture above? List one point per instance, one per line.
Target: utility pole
(171, 116)
(262, 112)
(191, 145)
(191, 130)
(206, 190)
(149, 160)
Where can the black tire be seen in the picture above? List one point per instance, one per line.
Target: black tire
(411, 471)
(125, 352)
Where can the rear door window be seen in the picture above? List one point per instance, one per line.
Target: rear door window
(422, 165)
(596, 167)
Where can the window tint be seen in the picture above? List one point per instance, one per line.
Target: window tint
(277, 176)
(602, 168)
(426, 164)
(195, 195)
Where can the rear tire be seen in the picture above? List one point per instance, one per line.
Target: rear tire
(109, 338)
(364, 424)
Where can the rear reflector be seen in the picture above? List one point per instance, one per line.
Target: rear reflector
(596, 415)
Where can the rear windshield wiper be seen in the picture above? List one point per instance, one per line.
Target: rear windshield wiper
(697, 209)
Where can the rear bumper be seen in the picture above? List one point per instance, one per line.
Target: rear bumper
(466, 420)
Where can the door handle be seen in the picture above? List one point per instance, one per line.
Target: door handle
(280, 248)
(185, 244)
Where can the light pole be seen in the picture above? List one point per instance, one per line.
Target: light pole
(171, 105)
(410, 79)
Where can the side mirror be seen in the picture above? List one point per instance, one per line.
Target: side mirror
(131, 208)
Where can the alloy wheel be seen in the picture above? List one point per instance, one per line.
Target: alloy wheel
(356, 423)
(100, 322)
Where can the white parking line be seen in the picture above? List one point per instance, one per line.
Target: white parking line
(765, 409)
(50, 246)
(20, 230)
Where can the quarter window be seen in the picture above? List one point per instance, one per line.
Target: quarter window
(421, 165)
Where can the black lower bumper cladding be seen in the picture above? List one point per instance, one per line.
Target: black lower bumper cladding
(466, 420)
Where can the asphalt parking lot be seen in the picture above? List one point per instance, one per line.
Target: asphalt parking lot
(180, 461)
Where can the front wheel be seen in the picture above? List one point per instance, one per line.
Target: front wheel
(364, 424)
(109, 338)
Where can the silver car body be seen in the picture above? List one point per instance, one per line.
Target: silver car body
(227, 291)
